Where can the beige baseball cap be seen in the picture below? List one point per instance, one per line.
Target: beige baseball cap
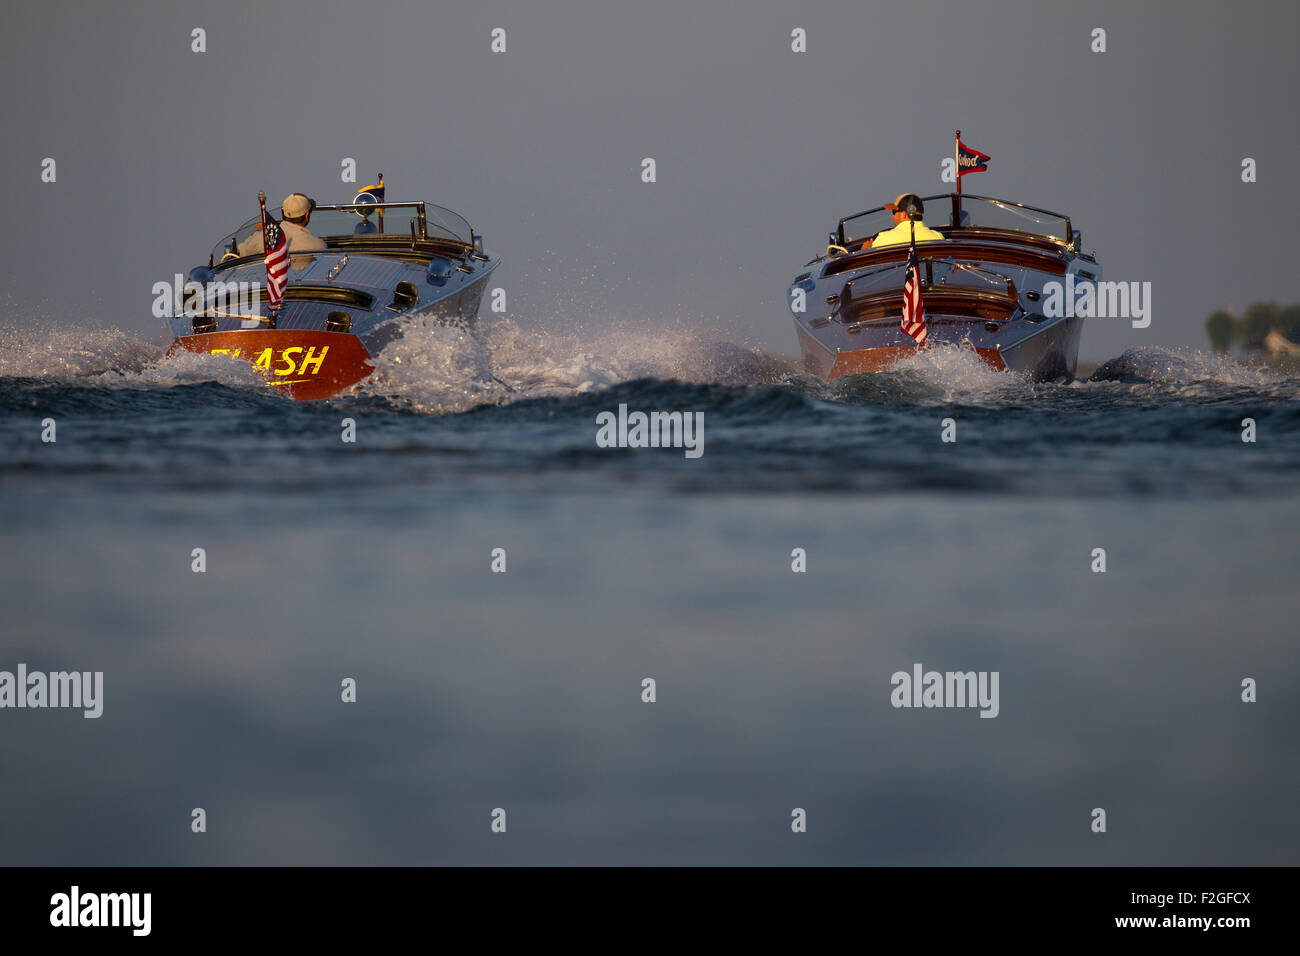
(297, 205)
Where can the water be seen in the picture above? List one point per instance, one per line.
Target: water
(522, 690)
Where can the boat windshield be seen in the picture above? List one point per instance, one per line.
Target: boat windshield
(977, 212)
(388, 219)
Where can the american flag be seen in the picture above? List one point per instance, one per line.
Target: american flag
(913, 308)
(277, 263)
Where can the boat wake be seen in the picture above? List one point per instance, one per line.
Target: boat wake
(512, 401)
(943, 374)
(1183, 367)
(70, 353)
(441, 369)
(438, 369)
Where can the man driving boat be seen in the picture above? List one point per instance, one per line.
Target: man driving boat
(296, 210)
(907, 210)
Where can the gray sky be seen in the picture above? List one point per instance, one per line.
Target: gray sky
(759, 150)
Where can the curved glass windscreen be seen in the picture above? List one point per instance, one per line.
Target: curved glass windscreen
(871, 224)
(383, 219)
(977, 212)
(229, 245)
(443, 223)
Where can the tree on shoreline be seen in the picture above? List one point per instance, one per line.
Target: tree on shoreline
(1253, 327)
(1220, 327)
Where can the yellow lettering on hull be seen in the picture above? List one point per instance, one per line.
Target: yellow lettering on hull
(311, 358)
(284, 362)
(290, 364)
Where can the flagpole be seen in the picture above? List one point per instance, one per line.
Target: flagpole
(956, 162)
(261, 202)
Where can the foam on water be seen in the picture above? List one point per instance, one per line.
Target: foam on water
(188, 368)
(1188, 367)
(112, 359)
(439, 369)
(70, 352)
(940, 375)
(433, 368)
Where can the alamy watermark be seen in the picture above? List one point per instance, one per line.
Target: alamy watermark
(75, 908)
(651, 430)
(37, 689)
(1089, 299)
(182, 296)
(923, 688)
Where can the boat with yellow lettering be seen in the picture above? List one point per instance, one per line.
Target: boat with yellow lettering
(382, 266)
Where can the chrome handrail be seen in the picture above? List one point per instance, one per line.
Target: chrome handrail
(956, 198)
(445, 234)
(373, 205)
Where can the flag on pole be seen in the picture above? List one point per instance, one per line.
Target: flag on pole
(970, 160)
(913, 323)
(371, 196)
(277, 263)
(373, 193)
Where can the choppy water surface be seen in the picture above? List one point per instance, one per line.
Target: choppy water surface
(518, 411)
(522, 690)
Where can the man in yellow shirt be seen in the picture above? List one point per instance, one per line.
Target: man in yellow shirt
(907, 210)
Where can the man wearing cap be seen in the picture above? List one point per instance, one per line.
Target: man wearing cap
(297, 213)
(907, 210)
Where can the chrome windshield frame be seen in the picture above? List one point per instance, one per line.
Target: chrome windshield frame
(447, 232)
(421, 206)
(956, 198)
